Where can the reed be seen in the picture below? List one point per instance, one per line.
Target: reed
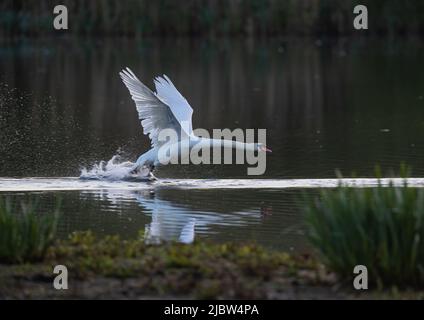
(381, 228)
(24, 234)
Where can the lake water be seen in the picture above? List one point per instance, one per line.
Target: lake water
(348, 105)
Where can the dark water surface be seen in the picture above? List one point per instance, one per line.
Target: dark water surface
(262, 216)
(326, 105)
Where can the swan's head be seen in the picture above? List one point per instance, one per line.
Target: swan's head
(262, 147)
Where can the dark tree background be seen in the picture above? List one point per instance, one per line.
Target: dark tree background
(210, 18)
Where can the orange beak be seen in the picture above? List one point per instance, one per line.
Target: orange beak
(266, 149)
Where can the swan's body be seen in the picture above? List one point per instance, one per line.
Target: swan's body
(168, 109)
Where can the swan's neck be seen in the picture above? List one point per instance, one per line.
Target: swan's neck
(218, 143)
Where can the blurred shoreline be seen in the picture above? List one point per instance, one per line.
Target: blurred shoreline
(210, 18)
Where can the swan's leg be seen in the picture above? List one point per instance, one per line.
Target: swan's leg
(135, 170)
(143, 161)
(152, 176)
(145, 170)
(141, 170)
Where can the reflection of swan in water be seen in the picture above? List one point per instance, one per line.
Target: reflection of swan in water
(172, 221)
(187, 233)
(158, 229)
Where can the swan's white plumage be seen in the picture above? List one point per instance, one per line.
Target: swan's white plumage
(168, 93)
(168, 109)
(164, 110)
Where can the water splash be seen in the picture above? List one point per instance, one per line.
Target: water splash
(116, 169)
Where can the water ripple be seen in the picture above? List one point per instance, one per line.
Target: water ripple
(73, 183)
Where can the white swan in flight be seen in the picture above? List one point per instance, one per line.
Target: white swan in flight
(168, 109)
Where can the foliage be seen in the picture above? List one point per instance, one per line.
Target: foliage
(201, 269)
(381, 228)
(25, 235)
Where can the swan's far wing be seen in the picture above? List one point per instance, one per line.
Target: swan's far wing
(168, 93)
(155, 115)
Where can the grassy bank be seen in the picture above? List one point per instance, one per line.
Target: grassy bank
(114, 268)
(210, 17)
(110, 267)
(381, 228)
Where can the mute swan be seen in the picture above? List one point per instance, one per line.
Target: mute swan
(168, 109)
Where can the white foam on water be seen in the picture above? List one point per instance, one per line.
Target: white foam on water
(116, 169)
(75, 183)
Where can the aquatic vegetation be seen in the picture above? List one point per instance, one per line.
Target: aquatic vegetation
(109, 267)
(24, 234)
(202, 269)
(381, 228)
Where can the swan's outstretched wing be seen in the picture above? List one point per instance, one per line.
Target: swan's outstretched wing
(155, 114)
(167, 92)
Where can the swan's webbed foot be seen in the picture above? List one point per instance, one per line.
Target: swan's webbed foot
(134, 171)
(152, 176)
(144, 171)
